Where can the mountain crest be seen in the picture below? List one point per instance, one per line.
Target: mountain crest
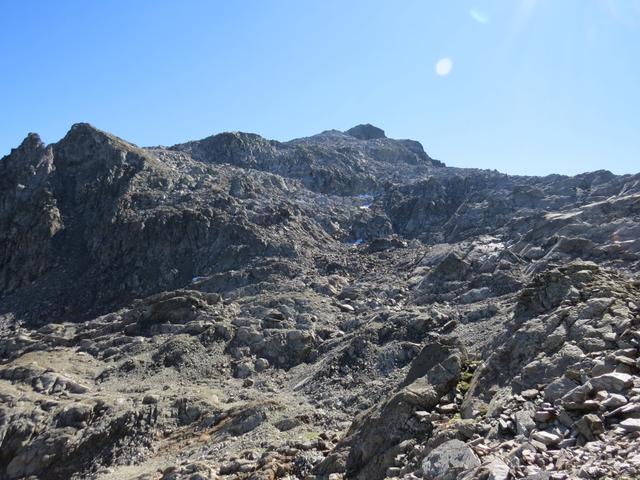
(339, 305)
(366, 131)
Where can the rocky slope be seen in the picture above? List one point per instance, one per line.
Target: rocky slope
(338, 306)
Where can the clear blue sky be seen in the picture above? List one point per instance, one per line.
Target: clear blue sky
(536, 86)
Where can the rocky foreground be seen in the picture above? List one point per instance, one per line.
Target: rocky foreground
(339, 306)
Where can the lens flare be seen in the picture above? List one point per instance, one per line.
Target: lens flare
(478, 16)
(444, 66)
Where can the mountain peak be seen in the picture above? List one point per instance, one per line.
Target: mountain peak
(31, 142)
(366, 131)
(84, 129)
(85, 136)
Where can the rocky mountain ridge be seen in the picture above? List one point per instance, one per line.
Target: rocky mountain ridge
(338, 306)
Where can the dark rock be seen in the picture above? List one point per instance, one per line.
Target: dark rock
(449, 461)
(366, 132)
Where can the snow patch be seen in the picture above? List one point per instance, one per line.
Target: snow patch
(199, 279)
(364, 196)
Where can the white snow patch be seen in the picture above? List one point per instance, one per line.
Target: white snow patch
(364, 196)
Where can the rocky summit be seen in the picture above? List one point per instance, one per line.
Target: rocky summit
(341, 306)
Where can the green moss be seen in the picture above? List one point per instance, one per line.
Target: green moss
(453, 420)
(468, 369)
(310, 436)
(463, 387)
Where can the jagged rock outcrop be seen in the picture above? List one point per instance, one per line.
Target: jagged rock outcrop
(331, 162)
(105, 221)
(29, 215)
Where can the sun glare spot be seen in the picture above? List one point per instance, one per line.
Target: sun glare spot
(444, 66)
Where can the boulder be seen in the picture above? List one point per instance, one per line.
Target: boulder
(449, 461)
(612, 382)
(590, 426)
(559, 388)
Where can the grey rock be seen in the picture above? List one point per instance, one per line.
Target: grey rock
(243, 370)
(558, 388)
(614, 400)
(449, 461)
(261, 364)
(547, 438)
(590, 426)
(576, 399)
(612, 382)
(543, 416)
(150, 399)
(498, 470)
(631, 424)
(524, 422)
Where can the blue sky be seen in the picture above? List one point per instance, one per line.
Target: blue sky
(522, 86)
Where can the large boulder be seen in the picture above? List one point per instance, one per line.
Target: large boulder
(449, 461)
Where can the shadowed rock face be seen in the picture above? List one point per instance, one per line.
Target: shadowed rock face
(342, 304)
(366, 132)
(94, 221)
